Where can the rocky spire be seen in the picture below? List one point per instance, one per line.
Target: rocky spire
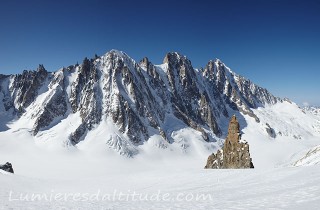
(235, 153)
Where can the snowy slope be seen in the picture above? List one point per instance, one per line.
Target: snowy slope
(86, 182)
(313, 110)
(312, 157)
(162, 176)
(294, 134)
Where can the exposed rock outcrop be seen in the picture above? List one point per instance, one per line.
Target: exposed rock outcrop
(235, 152)
(271, 132)
(7, 167)
(25, 87)
(55, 103)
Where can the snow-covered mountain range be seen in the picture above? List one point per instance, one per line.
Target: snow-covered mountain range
(63, 132)
(115, 102)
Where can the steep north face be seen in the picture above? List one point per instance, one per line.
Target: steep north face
(138, 98)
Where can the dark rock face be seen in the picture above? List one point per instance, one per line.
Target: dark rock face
(25, 87)
(238, 92)
(235, 154)
(76, 136)
(129, 101)
(55, 104)
(190, 101)
(271, 132)
(7, 167)
(86, 98)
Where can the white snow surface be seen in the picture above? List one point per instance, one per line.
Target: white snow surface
(162, 175)
(311, 158)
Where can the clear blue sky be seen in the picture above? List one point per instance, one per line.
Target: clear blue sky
(274, 43)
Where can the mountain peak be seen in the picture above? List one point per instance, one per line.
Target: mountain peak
(144, 62)
(118, 54)
(174, 56)
(41, 68)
